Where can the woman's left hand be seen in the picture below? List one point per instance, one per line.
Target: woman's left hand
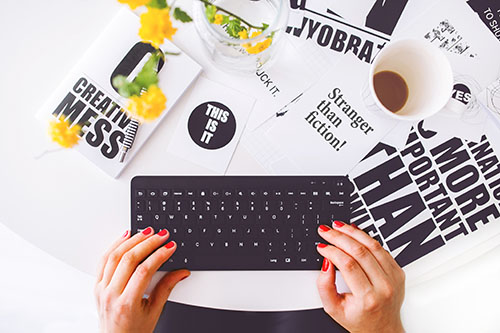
(123, 276)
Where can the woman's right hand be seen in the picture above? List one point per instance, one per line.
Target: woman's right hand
(375, 279)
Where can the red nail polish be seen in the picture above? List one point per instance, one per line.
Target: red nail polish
(322, 246)
(170, 245)
(147, 231)
(125, 234)
(324, 227)
(184, 278)
(162, 232)
(355, 226)
(338, 224)
(326, 263)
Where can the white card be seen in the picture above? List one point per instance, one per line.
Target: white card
(330, 130)
(209, 130)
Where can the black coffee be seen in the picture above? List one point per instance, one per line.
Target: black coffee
(391, 90)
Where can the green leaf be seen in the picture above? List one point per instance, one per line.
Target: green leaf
(157, 4)
(124, 92)
(181, 15)
(148, 75)
(210, 11)
(119, 81)
(233, 27)
(134, 89)
(225, 19)
(265, 26)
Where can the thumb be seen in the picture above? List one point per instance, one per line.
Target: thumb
(331, 299)
(161, 292)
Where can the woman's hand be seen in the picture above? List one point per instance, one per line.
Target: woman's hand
(375, 279)
(124, 274)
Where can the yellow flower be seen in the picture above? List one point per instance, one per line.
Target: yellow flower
(243, 34)
(156, 26)
(218, 19)
(134, 3)
(259, 47)
(255, 34)
(65, 135)
(149, 105)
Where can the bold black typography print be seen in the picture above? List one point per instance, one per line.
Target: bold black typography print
(330, 31)
(489, 12)
(435, 191)
(385, 15)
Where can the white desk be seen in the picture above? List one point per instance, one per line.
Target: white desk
(74, 212)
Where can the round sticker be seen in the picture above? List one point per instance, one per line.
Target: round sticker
(212, 125)
(462, 93)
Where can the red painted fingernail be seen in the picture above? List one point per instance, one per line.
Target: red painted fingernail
(170, 245)
(326, 263)
(338, 224)
(184, 278)
(162, 232)
(355, 226)
(125, 234)
(322, 246)
(324, 227)
(147, 231)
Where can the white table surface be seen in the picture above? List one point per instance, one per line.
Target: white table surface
(73, 212)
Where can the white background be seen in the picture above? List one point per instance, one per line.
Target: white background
(41, 42)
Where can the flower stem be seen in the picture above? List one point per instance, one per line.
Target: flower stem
(206, 2)
(47, 152)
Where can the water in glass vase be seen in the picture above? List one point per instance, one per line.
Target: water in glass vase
(241, 35)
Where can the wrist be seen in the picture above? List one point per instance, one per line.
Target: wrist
(396, 327)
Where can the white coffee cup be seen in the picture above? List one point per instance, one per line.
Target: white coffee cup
(427, 73)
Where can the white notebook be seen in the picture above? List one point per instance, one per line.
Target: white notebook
(86, 96)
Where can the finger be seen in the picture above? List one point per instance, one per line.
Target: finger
(133, 257)
(141, 278)
(331, 299)
(354, 276)
(358, 251)
(385, 260)
(104, 259)
(161, 292)
(116, 255)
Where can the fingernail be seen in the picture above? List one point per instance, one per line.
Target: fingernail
(147, 231)
(355, 226)
(184, 278)
(170, 245)
(125, 234)
(338, 224)
(324, 227)
(321, 245)
(162, 232)
(325, 265)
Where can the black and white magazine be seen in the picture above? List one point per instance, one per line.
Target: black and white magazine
(87, 97)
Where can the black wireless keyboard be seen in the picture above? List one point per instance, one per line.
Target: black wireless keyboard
(240, 222)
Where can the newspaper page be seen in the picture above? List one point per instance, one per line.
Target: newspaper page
(431, 201)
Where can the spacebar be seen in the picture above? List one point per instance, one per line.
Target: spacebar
(223, 262)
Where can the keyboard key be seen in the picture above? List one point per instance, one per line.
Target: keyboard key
(140, 205)
(159, 220)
